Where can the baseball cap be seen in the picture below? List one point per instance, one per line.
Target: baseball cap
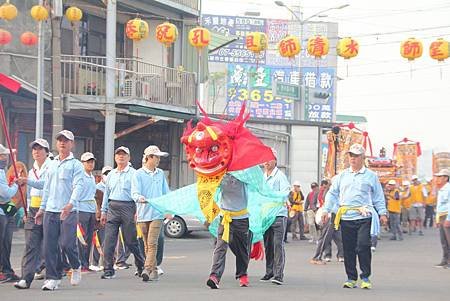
(154, 150)
(357, 149)
(314, 184)
(414, 177)
(87, 156)
(67, 134)
(40, 142)
(392, 182)
(122, 148)
(443, 172)
(4, 150)
(406, 183)
(296, 183)
(106, 169)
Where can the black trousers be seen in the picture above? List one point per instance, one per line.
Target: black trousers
(356, 242)
(240, 245)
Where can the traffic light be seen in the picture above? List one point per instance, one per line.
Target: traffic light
(321, 95)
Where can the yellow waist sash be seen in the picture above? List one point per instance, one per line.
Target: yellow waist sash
(342, 210)
(227, 219)
(35, 201)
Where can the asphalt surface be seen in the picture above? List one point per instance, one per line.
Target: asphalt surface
(401, 271)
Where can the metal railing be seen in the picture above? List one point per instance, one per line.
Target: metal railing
(86, 75)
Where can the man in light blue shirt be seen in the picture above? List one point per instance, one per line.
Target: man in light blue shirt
(60, 201)
(34, 232)
(443, 215)
(149, 182)
(87, 209)
(359, 195)
(118, 210)
(274, 236)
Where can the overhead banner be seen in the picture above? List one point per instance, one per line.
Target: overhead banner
(255, 84)
(441, 160)
(236, 52)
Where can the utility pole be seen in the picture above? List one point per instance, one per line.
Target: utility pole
(40, 80)
(57, 114)
(110, 110)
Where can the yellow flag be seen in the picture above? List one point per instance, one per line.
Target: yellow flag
(206, 189)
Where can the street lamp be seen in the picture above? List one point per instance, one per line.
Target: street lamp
(302, 21)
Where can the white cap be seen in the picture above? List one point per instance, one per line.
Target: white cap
(296, 183)
(154, 150)
(429, 179)
(87, 156)
(65, 133)
(106, 169)
(392, 182)
(443, 172)
(357, 149)
(41, 142)
(414, 177)
(122, 148)
(4, 150)
(406, 183)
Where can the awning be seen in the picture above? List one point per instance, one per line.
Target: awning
(219, 40)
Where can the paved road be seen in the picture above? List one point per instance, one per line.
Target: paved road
(402, 271)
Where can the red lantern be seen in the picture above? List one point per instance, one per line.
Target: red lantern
(28, 38)
(5, 37)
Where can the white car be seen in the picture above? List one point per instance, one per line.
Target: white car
(179, 226)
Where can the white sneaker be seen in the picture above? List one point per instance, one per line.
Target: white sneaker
(327, 259)
(95, 268)
(39, 276)
(373, 249)
(21, 284)
(160, 271)
(51, 285)
(76, 276)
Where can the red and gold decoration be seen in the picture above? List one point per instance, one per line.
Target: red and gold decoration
(199, 37)
(28, 38)
(5, 37)
(8, 11)
(136, 29)
(318, 46)
(439, 50)
(39, 13)
(74, 14)
(406, 153)
(166, 33)
(411, 49)
(256, 42)
(289, 46)
(347, 48)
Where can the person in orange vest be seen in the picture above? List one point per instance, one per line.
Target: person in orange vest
(296, 200)
(406, 204)
(394, 207)
(430, 203)
(417, 210)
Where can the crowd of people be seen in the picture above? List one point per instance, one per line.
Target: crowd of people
(74, 224)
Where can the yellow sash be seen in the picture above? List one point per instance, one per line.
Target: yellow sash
(35, 201)
(342, 210)
(227, 219)
(206, 189)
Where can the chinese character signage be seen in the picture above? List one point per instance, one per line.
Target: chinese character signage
(254, 83)
(321, 78)
(236, 52)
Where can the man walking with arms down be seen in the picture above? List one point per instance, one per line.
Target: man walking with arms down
(443, 215)
(359, 195)
(118, 210)
(60, 200)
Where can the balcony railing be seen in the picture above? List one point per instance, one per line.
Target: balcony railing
(86, 75)
(189, 3)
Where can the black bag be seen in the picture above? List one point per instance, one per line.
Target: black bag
(9, 209)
